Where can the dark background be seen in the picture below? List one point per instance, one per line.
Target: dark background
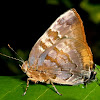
(22, 23)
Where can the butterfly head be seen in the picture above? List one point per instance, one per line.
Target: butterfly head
(25, 66)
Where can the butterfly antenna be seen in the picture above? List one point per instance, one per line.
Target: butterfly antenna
(11, 57)
(15, 52)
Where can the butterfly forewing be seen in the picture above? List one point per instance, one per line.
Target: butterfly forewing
(62, 51)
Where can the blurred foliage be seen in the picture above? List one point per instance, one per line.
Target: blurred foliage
(92, 9)
(52, 2)
(67, 3)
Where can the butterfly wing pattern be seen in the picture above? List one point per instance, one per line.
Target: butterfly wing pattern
(61, 55)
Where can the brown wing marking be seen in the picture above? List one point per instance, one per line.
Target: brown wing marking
(68, 25)
(75, 57)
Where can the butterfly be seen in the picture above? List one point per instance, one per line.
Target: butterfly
(61, 55)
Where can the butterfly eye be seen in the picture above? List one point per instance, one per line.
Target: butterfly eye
(25, 66)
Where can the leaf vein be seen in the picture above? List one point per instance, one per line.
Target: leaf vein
(90, 92)
(9, 91)
(42, 94)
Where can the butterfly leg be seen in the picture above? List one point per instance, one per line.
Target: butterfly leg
(28, 79)
(55, 88)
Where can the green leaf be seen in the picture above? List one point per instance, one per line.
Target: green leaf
(12, 88)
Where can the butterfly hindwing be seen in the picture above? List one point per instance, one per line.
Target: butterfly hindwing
(64, 60)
